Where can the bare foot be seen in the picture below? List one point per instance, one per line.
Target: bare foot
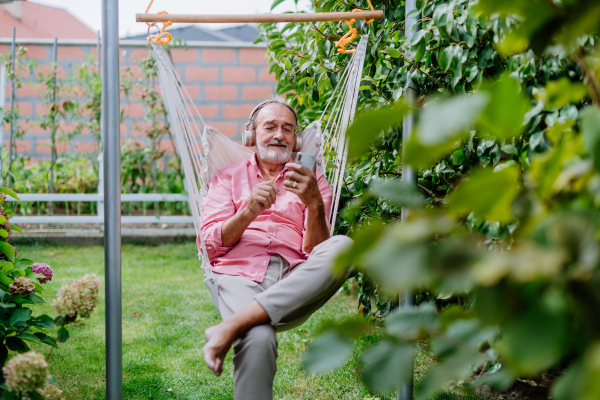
(219, 339)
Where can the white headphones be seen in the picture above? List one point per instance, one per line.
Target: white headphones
(249, 134)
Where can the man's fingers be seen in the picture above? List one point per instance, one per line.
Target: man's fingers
(264, 201)
(268, 194)
(274, 186)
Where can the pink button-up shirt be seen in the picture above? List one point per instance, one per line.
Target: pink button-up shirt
(278, 230)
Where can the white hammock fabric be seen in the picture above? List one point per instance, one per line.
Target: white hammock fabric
(204, 150)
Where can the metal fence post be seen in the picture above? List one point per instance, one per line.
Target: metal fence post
(2, 114)
(100, 203)
(112, 190)
(408, 175)
(53, 127)
(13, 94)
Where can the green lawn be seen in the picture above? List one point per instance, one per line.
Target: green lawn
(166, 309)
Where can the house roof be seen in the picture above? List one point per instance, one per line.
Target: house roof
(242, 33)
(43, 22)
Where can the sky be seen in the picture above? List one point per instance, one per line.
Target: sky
(89, 11)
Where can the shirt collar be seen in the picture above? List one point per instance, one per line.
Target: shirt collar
(254, 163)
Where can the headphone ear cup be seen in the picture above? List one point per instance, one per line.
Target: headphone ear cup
(298, 143)
(248, 138)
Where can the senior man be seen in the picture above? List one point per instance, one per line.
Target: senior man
(266, 232)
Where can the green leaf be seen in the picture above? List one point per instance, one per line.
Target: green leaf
(35, 298)
(276, 3)
(368, 126)
(49, 340)
(63, 335)
(534, 341)
(3, 220)
(6, 267)
(505, 112)
(389, 365)
(488, 194)
(35, 396)
(20, 315)
(16, 228)
(5, 280)
(393, 52)
(443, 123)
(401, 193)
(563, 91)
(3, 354)
(3, 233)
(44, 321)
(16, 344)
(458, 366)
(590, 129)
(8, 250)
(7, 305)
(329, 350)
(28, 337)
(446, 57)
(413, 323)
(10, 193)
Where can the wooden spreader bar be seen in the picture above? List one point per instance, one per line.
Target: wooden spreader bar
(256, 18)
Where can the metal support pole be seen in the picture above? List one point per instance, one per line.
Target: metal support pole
(53, 126)
(2, 113)
(13, 95)
(408, 175)
(100, 203)
(112, 190)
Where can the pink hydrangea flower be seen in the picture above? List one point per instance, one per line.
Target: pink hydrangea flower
(51, 392)
(21, 285)
(44, 269)
(26, 372)
(78, 298)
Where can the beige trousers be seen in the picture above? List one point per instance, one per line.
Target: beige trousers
(289, 298)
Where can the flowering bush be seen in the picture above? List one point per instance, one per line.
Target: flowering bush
(25, 373)
(51, 392)
(21, 282)
(78, 298)
(44, 269)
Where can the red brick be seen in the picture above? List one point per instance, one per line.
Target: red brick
(193, 90)
(232, 112)
(30, 128)
(27, 90)
(134, 110)
(23, 146)
(140, 128)
(70, 53)
(134, 69)
(208, 111)
(32, 161)
(217, 55)
(265, 76)
(37, 52)
(123, 129)
(184, 56)
(69, 127)
(257, 92)
(42, 147)
(86, 146)
(201, 74)
(4, 48)
(139, 54)
(253, 57)
(229, 129)
(225, 92)
(41, 109)
(166, 146)
(238, 75)
(47, 68)
(25, 108)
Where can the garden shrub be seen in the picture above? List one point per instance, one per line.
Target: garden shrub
(503, 250)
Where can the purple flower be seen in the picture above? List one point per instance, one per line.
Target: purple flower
(44, 269)
(21, 285)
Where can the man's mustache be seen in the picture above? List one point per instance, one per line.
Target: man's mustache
(277, 143)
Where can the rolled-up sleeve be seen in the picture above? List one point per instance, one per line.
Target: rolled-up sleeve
(219, 207)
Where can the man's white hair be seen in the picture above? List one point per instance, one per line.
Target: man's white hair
(272, 100)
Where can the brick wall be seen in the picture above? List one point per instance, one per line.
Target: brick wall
(224, 82)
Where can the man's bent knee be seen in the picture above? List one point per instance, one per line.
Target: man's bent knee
(260, 339)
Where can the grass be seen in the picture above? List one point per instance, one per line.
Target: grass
(166, 309)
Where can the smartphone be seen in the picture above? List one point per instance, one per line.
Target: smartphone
(307, 160)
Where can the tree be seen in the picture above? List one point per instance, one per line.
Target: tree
(506, 152)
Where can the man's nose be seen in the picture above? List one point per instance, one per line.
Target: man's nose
(279, 134)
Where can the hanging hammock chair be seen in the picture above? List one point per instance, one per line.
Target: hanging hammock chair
(204, 150)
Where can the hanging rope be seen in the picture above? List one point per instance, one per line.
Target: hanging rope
(351, 34)
(161, 37)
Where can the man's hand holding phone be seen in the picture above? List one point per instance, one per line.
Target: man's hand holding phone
(301, 180)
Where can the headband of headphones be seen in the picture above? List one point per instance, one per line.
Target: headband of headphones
(267, 102)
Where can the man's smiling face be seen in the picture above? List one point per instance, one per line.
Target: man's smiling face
(275, 130)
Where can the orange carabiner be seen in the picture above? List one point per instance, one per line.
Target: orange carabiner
(161, 37)
(351, 34)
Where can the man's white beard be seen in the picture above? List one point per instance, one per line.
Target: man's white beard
(274, 155)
